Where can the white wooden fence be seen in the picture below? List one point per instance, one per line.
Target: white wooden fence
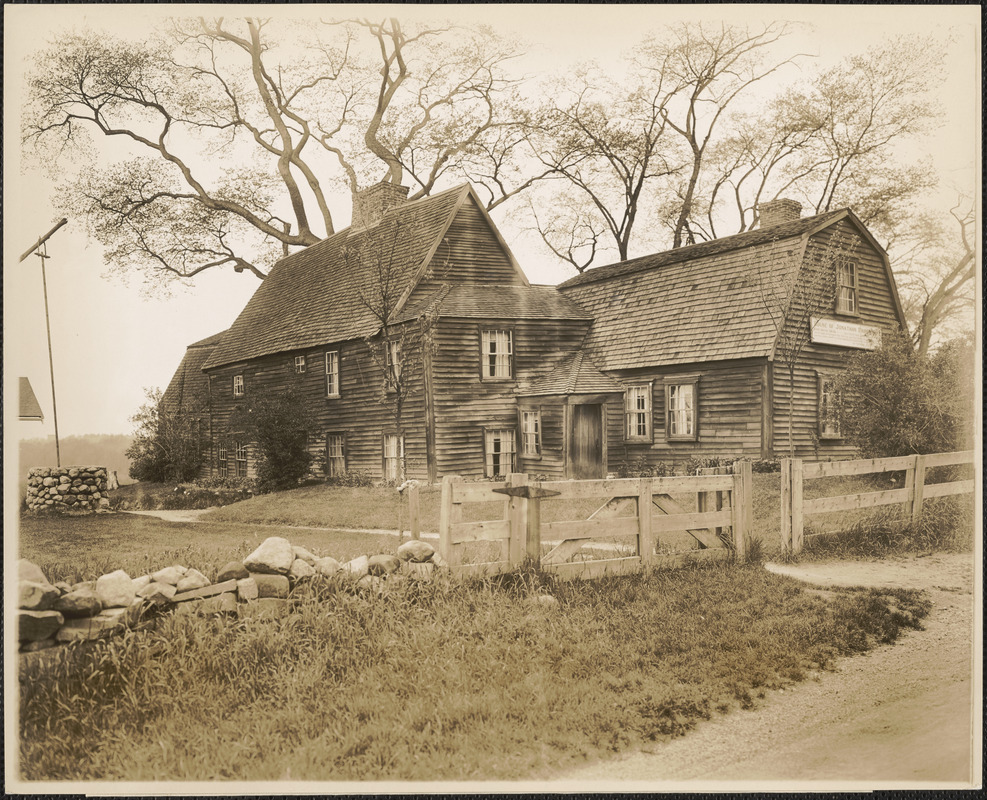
(794, 473)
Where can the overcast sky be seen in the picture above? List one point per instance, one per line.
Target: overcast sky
(110, 342)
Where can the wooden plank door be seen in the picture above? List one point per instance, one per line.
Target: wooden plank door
(586, 442)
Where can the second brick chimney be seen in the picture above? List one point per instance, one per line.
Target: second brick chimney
(778, 211)
(370, 204)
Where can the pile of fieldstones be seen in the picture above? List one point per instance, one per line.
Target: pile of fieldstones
(53, 614)
(67, 489)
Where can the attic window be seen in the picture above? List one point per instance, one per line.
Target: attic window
(238, 385)
(497, 354)
(846, 289)
(299, 364)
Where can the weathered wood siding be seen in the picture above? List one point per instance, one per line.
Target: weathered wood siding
(362, 412)
(729, 414)
(470, 253)
(875, 307)
(465, 404)
(551, 462)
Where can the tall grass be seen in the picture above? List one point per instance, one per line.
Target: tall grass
(946, 524)
(441, 681)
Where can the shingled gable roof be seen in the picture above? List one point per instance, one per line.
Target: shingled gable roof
(693, 304)
(313, 297)
(188, 382)
(574, 374)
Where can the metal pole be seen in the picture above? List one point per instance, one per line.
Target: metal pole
(51, 363)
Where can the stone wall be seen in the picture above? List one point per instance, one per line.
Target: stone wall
(259, 585)
(64, 489)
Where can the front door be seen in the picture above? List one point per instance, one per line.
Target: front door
(586, 442)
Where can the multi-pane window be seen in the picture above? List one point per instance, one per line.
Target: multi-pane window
(393, 351)
(829, 426)
(680, 410)
(238, 385)
(222, 461)
(497, 353)
(335, 455)
(332, 373)
(531, 433)
(393, 455)
(241, 459)
(846, 288)
(299, 364)
(637, 412)
(499, 449)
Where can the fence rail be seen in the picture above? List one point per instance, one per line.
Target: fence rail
(520, 530)
(794, 473)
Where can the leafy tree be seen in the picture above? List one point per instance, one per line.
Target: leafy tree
(896, 401)
(228, 144)
(278, 422)
(167, 443)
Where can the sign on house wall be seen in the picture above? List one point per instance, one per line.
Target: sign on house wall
(845, 334)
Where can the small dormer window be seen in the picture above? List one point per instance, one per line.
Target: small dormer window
(846, 289)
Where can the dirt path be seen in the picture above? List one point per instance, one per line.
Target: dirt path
(895, 716)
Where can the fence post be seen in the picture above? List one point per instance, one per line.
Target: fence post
(743, 512)
(517, 515)
(786, 505)
(918, 488)
(797, 521)
(645, 539)
(414, 507)
(532, 535)
(445, 517)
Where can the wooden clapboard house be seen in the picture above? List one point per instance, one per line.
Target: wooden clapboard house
(654, 359)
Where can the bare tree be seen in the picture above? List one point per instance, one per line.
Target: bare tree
(936, 275)
(229, 145)
(794, 291)
(702, 70)
(401, 347)
(606, 143)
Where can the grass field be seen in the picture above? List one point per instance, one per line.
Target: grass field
(446, 681)
(442, 681)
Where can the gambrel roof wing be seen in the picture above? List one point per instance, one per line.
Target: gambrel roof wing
(698, 303)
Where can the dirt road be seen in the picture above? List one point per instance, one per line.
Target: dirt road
(899, 715)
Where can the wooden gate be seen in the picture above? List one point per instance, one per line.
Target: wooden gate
(519, 531)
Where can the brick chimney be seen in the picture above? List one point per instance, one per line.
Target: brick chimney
(778, 211)
(370, 204)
